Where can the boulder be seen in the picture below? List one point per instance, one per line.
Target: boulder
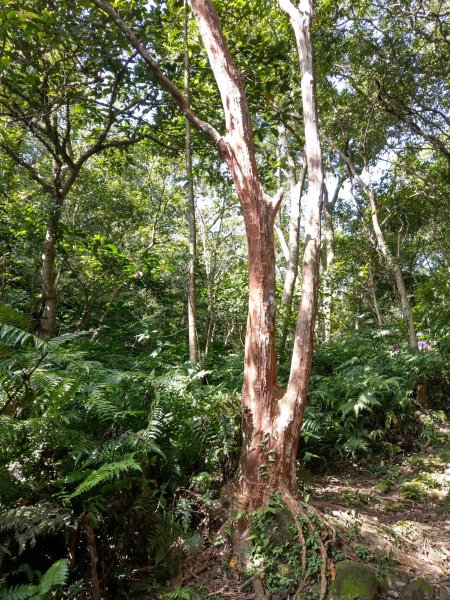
(419, 589)
(354, 581)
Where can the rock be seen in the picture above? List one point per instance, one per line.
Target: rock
(280, 526)
(353, 581)
(419, 589)
(393, 594)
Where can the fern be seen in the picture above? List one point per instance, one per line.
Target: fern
(20, 592)
(9, 316)
(55, 576)
(106, 473)
(14, 336)
(30, 522)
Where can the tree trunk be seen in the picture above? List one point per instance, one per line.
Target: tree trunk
(271, 429)
(328, 234)
(373, 293)
(48, 319)
(290, 417)
(93, 555)
(389, 257)
(296, 190)
(271, 426)
(192, 312)
(394, 265)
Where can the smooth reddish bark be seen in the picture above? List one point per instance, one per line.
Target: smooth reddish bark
(271, 420)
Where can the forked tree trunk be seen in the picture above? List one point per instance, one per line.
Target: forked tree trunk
(390, 258)
(192, 310)
(257, 466)
(271, 425)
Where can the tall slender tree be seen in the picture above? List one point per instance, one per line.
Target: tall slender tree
(192, 312)
(271, 424)
(390, 258)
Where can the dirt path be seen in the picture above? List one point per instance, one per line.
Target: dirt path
(395, 512)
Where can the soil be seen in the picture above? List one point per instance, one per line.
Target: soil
(392, 515)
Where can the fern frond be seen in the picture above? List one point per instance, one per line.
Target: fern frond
(14, 336)
(10, 316)
(106, 473)
(19, 592)
(55, 576)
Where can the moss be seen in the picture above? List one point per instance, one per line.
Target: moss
(353, 581)
(418, 590)
(394, 506)
(281, 527)
(384, 486)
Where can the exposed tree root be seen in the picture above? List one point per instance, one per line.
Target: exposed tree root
(294, 508)
(299, 510)
(303, 514)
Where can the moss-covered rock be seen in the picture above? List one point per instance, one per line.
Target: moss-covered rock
(419, 589)
(353, 581)
(280, 526)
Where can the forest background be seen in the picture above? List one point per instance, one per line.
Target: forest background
(124, 269)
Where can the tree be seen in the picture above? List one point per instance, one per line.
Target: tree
(271, 425)
(192, 326)
(291, 248)
(328, 235)
(61, 107)
(391, 260)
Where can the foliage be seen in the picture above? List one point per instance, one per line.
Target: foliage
(84, 438)
(275, 553)
(106, 423)
(362, 396)
(55, 577)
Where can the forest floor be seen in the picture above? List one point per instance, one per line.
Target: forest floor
(392, 515)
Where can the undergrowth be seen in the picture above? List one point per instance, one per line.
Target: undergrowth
(135, 451)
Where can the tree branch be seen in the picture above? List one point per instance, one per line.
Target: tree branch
(165, 82)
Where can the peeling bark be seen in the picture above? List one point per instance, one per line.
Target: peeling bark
(292, 406)
(296, 190)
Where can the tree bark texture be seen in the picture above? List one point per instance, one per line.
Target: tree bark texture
(292, 407)
(385, 251)
(258, 473)
(296, 190)
(192, 312)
